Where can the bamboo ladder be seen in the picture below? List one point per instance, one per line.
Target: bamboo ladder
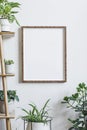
(4, 85)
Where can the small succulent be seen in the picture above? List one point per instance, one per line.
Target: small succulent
(8, 62)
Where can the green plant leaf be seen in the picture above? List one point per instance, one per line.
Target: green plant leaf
(78, 102)
(8, 10)
(35, 115)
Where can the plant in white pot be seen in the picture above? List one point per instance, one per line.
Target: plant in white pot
(9, 68)
(12, 97)
(7, 14)
(37, 119)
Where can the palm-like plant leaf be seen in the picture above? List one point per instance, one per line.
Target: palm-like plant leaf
(36, 115)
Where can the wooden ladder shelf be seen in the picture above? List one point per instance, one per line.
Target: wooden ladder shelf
(3, 75)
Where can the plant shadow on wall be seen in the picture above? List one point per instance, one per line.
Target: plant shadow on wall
(60, 115)
(78, 102)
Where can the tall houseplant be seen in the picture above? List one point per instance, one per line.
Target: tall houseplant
(37, 119)
(7, 13)
(78, 102)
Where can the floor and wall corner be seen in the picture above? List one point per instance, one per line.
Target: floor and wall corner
(73, 15)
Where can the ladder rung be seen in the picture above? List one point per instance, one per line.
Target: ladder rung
(7, 34)
(4, 75)
(3, 116)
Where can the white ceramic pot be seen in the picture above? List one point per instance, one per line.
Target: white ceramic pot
(5, 25)
(11, 107)
(38, 126)
(9, 69)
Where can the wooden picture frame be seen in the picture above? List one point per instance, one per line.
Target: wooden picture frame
(44, 54)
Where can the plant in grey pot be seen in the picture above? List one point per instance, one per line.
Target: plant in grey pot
(37, 119)
(7, 13)
(9, 68)
(78, 102)
(12, 97)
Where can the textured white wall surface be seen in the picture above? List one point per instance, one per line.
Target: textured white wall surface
(73, 15)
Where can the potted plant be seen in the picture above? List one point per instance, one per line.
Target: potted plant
(78, 102)
(12, 97)
(37, 119)
(9, 66)
(7, 13)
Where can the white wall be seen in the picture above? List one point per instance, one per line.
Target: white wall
(70, 13)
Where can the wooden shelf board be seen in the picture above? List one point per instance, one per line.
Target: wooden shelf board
(4, 75)
(3, 116)
(7, 34)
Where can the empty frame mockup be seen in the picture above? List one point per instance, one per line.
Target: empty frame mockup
(44, 54)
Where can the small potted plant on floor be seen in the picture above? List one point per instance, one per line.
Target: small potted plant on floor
(7, 14)
(12, 97)
(37, 119)
(9, 68)
(78, 102)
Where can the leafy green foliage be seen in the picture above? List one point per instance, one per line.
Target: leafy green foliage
(35, 115)
(8, 62)
(7, 12)
(78, 102)
(11, 94)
